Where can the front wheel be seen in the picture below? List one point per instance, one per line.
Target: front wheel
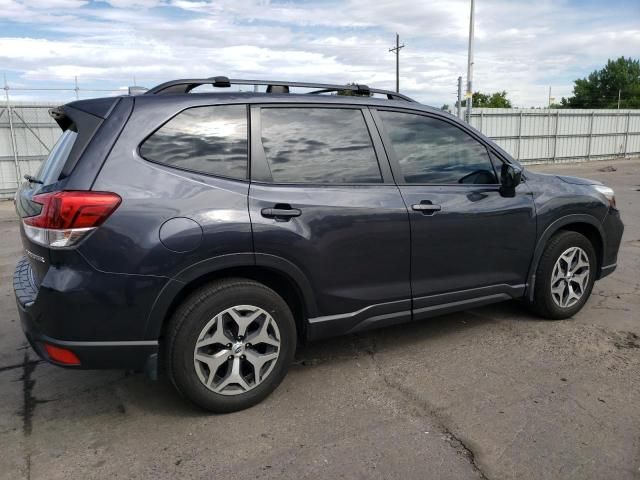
(565, 276)
(230, 344)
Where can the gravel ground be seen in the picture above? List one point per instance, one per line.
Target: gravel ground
(489, 393)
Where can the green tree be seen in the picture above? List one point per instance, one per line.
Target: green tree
(445, 107)
(600, 89)
(492, 100)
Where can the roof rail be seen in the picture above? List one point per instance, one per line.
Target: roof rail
(186, 85)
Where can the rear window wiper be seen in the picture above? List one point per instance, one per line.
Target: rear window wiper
(32, 179)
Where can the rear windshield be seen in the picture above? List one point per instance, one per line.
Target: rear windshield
(50, 170)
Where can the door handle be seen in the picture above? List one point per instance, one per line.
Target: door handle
(280, 213)
(426, 208)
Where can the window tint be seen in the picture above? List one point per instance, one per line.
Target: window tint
(318, 145)
(433, 151)
(497, 164)
(50, 169)
(210, 140)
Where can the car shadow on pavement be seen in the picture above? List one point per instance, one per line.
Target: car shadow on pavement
(129, 392)
(413, 333)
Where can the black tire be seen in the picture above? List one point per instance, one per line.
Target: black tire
(193, 315)
(543, 303)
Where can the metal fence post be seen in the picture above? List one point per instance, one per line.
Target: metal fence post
(590, 135)
(481, 121)
(12, 133)
(626, 134)
(548, 134)
(519, 135)
(555, 136)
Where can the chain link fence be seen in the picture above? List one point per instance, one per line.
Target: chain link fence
(28, 133)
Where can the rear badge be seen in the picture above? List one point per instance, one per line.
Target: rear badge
(37, 258)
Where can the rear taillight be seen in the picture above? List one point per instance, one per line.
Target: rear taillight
(68, 217)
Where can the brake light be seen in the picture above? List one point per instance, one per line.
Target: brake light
(68, 217)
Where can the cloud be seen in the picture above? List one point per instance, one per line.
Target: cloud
(42, 4)
(134, 3)
(521, 47)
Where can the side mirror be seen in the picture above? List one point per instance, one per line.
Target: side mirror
(510, 178)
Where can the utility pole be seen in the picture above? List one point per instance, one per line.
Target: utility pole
(459, 104)
(396, 50)
(469, 94)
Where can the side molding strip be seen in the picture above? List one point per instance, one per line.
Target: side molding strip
(128, 343)
(461, 304)
(340, 316)
(402, 311)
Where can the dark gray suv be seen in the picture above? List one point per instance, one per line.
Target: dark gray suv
(205, 234)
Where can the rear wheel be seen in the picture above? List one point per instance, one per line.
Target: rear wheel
(230, 344)
(565, 276)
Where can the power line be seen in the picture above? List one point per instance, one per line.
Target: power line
(396, 50)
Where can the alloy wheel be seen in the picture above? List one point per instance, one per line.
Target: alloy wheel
(570, 277)
(236, 350)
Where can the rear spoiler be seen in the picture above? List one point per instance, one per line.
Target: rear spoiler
(66, 115)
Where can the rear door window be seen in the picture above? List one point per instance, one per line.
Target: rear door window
(318, 145)
(50, 169)
(210, 140)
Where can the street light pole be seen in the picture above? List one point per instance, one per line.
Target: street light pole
(459, 102)
(469, 94)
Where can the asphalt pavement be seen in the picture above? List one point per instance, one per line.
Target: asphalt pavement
(489, 393)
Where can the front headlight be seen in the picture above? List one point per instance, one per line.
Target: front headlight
(608, 193)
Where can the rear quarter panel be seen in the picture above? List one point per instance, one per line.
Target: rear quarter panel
(129, 242)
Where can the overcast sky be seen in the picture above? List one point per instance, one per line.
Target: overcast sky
(522, 47)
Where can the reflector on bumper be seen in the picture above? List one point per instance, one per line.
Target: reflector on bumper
(61, 355)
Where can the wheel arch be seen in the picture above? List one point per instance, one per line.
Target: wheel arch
(585, 224)
(278, 274)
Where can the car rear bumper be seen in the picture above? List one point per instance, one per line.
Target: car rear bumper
(36, 315)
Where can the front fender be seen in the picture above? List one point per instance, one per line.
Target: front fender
(549, 232)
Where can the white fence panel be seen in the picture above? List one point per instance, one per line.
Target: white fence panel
(546, 135)
(530, 135)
